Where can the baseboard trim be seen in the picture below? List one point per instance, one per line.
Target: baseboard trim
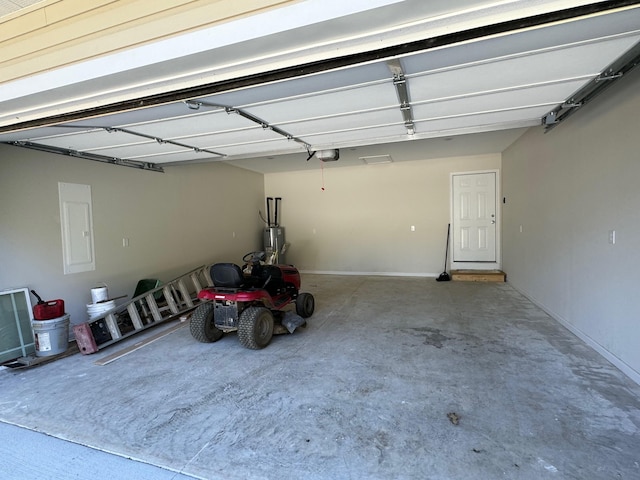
(617, 362)
(370, 274)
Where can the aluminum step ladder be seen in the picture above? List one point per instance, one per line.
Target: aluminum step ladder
(167, 302)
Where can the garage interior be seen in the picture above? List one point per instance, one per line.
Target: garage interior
(183, 119)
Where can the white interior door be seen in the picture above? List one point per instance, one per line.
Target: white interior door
(474, 217)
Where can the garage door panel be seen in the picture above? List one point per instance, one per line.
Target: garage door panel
(139, 116)
(345, 122)
(195, 124)
(565, 33)
(548, 95)
(178, 156)
(277, 146)
(248, 135)
(333, 103)
(85, 140)
(372, 135)
(322, 82)
(584, 61)
(481, 120)
(133, 151)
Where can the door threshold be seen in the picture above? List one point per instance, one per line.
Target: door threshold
(478, 275)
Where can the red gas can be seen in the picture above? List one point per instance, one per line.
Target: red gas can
(47, 310)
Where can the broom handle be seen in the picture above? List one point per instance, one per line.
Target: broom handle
(446, 248)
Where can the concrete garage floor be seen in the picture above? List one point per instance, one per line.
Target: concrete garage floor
(368, 390)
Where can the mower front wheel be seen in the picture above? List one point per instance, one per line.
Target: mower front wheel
(305, 305)
(255, 327)
(202, 325)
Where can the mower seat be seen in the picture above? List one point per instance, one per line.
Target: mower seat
(227, 275)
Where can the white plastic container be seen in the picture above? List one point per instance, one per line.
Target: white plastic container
(98, 294)
(95, 310)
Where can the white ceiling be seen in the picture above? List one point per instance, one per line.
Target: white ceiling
(481, 91)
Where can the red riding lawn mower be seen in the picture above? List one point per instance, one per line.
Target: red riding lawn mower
(252, 301)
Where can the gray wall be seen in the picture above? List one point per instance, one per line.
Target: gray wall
(175, 221)
(568, 188)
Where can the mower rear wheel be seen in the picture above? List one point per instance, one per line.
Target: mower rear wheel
(202, 325)
(255, 327)
(305, 305)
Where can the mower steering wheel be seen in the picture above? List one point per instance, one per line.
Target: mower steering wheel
(253, 257)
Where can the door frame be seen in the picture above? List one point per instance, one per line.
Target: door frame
(497, 265)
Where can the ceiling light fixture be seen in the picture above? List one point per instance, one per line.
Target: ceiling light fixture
(377, 159)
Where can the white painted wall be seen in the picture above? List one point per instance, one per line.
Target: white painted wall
(361, 222)
(568, 188)
(174, 221)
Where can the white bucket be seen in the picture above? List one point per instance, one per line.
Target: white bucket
(99, 294)
(95, 310)
(51, 336)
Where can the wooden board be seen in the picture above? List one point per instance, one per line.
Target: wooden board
(478, 275)
(140, 344)
(33, 360)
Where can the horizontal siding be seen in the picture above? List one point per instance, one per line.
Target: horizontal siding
(28, 24)
(64, 32)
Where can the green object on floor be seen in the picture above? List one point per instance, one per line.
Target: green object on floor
(147, 284)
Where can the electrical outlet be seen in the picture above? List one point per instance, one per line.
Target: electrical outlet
(612, 237)
(413, 228)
